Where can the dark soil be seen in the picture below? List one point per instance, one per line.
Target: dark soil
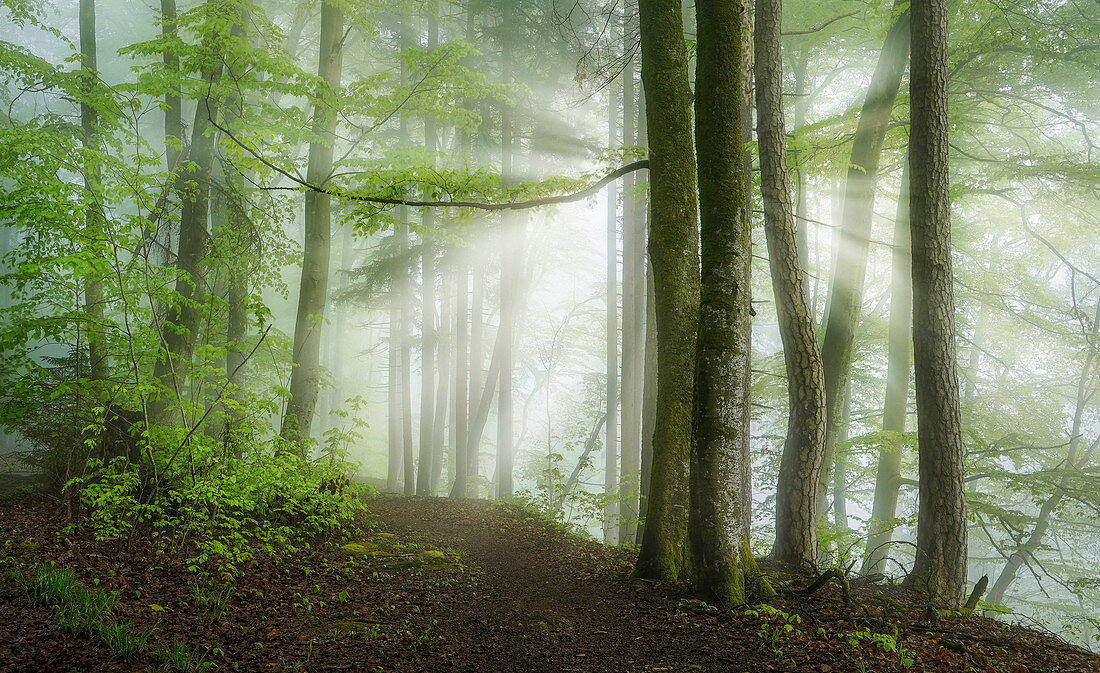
(469, 586)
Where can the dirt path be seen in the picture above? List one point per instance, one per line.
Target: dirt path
(541, 601)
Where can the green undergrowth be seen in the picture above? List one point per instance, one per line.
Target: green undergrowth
(84, 611)
(268, 504)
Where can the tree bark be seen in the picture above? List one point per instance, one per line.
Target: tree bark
(846, 292)
(305, 376)
(721, 482)
(800, 466)
(674, 258)
(898, 365)
(427, 312)
(940, 566)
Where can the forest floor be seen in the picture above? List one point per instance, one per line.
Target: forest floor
(441, 585)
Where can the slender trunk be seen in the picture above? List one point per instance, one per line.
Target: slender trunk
(674, 257)
(846, 292)
(443, 386)
(477, 361)
(940, 566)
(611, 389)
(393, 397)
(173, 107)
(801, 109)
(337, 366)
(462, 319)
(181, 325)
(427, 312)
(99, 365)
(649, 401)
(305, 375)
(800, 466)
(511, 225)
(840, 462)
(633, 306)
(899, 363)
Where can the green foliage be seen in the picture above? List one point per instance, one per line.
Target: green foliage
(177, 657)
(124, 639)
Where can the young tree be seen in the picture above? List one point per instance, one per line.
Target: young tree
(846, 292)
(940, 567)
(305, 376)
(898, 366)
(99, 365)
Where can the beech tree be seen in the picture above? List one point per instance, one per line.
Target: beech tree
(674, 258)
(940, 567)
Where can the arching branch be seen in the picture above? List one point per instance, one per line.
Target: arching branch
(477, 205)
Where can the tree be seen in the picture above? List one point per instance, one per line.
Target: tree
(898, 365)
(99, 364)
(305, 376)
(674, 258)
(179, 329)
(940, 567)
(721, 470)
(803, 450)
(846, 291)
(611, 340)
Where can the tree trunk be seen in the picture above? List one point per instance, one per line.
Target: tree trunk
(899, 362)
(99, 365)
(846, 292)
(633, 305)
(511, 236)
(181, 325)
(674, 258)
(649, 402)
(305, 374)
(394, 396)
(940, 566)
(173, 107)
(478, 415)
(800, 466)
(611, 341)
(443, 386)
(462, 319)
(427, 312)
(721, 482)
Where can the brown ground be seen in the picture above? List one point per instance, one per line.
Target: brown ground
(508, 593)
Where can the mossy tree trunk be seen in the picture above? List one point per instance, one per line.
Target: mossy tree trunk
(721, 483)
(674, 259)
